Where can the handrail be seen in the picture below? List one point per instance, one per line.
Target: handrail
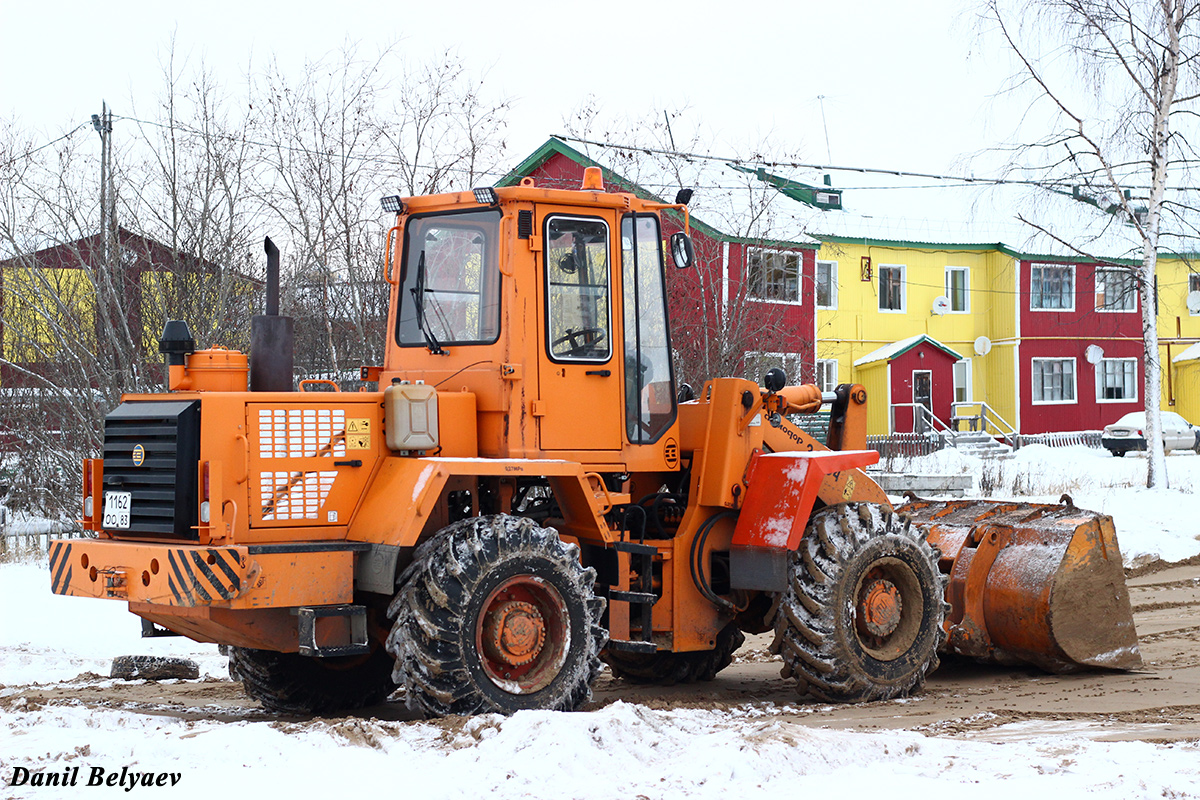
(989, 416)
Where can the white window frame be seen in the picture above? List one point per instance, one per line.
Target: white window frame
(970, 394)
(966, 309)
(1133, 293)
(751, 288)
(1100, 381)
(833, 285)
(1074, 286)
(830, 366)
(903, 309)
(1035, 374)
(1193, 286)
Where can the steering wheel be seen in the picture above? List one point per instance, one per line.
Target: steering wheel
(580, 342)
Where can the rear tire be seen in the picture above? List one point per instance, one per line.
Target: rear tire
(496, 614)
(289, 683)
(666, 668)
(861, 618)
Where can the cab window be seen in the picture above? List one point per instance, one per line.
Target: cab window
(649, 381)
(577, 290)
(450, 289)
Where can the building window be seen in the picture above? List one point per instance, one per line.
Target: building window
(1053, 380)
(891, 287)
(827, 374)
(792, 364)
(1052, 287)
(1116, 379)
(1116, 290)
(958, 287)
(827, 284)
(1193, 287)
(774, 275)
(962, 381)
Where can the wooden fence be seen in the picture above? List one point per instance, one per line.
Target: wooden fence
(905, 445)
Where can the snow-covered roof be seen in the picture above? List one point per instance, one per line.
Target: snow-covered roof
(890, 351)
(1191, 354)
(741, 200)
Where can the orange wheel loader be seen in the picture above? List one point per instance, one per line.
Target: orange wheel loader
(526, 497)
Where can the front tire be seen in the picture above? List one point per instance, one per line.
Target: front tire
(496, 614)
(861, 618)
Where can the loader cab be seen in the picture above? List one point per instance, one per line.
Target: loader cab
(549, 306)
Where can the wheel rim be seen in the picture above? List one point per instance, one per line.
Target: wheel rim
(522, 634)
(888, 608)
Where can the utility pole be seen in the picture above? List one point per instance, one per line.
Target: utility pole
(102, 122)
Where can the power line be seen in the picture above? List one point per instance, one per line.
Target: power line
(29, 153)
(987, 181)
(369, 158)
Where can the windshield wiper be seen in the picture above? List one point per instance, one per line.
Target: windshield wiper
(418, 294)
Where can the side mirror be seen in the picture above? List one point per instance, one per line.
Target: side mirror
(683, 253)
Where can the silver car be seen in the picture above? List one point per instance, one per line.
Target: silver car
(1127, 433)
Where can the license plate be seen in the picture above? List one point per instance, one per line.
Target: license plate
(116, 509)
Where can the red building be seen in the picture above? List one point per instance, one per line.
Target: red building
(1080, 362)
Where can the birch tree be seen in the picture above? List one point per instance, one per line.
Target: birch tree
(1115, 84)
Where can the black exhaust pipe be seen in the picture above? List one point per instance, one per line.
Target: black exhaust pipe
(272, 337)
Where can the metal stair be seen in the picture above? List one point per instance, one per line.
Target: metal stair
(978, 443)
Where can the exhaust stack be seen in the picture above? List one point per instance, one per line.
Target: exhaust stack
(272, 337)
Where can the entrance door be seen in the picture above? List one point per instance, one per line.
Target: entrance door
(922, 382)
(580, 402)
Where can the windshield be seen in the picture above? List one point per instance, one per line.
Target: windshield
(450, 287)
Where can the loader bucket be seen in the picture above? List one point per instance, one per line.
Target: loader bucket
(1032, 582)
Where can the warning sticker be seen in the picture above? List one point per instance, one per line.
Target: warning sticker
(358, 433)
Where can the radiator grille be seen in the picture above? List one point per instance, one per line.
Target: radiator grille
(164, 485)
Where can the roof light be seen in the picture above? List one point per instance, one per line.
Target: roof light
(392, 204)
(486, 195)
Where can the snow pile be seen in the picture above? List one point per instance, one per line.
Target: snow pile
(1150, 524)
(621, 751)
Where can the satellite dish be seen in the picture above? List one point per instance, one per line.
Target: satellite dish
(983, 346)
(1193, 302)
(1093, 354)
(941, 304)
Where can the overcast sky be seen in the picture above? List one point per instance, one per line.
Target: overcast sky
(905, 85)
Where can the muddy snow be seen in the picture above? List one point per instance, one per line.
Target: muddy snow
(988, 730)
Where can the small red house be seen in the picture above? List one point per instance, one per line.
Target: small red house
(911, 373)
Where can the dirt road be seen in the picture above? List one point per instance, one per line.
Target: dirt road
(1160, 702)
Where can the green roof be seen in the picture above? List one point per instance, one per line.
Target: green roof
(555, 146)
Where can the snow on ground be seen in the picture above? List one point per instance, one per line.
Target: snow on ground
(620, 751)
(48, 638)
(1150, 524)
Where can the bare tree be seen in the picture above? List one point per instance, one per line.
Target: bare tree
(1116, 84)
(336, 140)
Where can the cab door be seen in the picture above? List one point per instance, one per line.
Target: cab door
(579, 405)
